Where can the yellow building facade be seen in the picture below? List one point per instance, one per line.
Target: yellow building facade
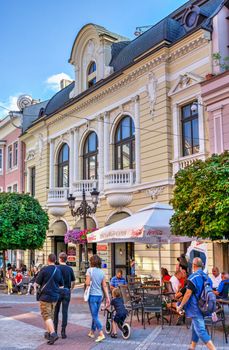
(121, 129)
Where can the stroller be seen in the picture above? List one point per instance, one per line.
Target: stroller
(124, 327)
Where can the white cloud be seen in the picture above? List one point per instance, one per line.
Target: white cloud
(10, 104)
(53, 82)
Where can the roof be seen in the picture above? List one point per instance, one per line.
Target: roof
(31, 113)
(125, 52)
(59, 99)
(100, 31)
(170, 29)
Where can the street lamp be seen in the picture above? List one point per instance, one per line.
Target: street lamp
(84, 211)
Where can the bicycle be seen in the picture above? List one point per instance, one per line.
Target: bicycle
(124, 327)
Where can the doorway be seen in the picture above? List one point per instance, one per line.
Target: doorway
(122, 253)
(59, 246)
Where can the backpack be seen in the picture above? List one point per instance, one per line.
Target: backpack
(207, 300)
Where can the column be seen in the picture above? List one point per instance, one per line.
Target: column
(201, 125)
(176, 138)
(101, 155)
(76, 155)
(137, 139)
(51, 164)
(71, 161)
(106, 143)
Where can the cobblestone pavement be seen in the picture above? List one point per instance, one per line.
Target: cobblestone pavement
(21, 327)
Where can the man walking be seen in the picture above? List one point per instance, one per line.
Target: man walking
(49, 279)
(65, 294)
(195, 285)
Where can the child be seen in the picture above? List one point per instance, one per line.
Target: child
(120, 311)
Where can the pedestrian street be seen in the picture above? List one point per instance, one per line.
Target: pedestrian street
(21, 327)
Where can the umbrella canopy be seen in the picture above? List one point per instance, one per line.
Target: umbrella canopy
(149, 225)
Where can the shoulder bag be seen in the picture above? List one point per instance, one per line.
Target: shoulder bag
(88, 288)
(40, 289)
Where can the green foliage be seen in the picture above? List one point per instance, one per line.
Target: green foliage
(23, 223)
(201, 199)
(223, 63)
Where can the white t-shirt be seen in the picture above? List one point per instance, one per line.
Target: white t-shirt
(175, 283)
(216, 280)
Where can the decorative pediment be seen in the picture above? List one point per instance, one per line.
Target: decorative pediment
(30, 155)
(185, 81)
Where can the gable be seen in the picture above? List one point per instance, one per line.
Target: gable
(184, 82)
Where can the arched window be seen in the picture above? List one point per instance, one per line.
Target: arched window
(125, 144)
(63, 166)
(91, 74)
(90, 155)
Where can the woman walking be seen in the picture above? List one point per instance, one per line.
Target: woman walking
(9, 280)
(95, 278)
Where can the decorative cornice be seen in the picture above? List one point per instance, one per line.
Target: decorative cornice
(132, 76)
(155, 191)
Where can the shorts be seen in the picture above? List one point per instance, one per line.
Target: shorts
(120, 318)
(47, 310)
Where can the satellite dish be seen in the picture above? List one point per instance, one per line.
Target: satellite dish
(24, 101)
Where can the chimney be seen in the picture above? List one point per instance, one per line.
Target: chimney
(64, 83)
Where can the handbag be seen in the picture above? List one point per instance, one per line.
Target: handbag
(40, 289)
(87, 290)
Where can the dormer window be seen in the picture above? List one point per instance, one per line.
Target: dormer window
(91, 74)
(192, 17)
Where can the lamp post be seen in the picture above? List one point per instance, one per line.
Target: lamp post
(83, 211)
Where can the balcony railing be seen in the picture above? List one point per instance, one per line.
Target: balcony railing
(59, 194)
(120, 178)
(183, 162)
(88, 186)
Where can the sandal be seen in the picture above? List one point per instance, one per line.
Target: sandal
(114, 335)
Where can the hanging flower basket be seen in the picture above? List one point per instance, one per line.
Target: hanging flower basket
(77, 236)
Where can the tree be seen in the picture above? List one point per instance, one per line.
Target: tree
(23, 223)
(201, 199)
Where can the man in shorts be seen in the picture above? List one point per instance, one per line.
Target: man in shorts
(49, 279)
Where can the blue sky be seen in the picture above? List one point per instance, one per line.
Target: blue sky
(36, 37)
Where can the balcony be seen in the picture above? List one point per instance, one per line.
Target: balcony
(58, 197)
(118, 187)
(183, 162)
(58, 201)
(87, 185)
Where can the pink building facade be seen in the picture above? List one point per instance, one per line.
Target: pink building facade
(215, 96)
(11, 157)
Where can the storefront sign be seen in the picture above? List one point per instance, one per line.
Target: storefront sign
(71, 258)
(72, 251)
(101, 247)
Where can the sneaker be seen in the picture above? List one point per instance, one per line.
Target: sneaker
(114, 335)
(53, 337)
(63, 333)
(100, 338)
(47, 335)
(19, 293)
(27, 293)
(91, 335)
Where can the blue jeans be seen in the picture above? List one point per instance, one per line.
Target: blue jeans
(199, 330)
(94, 302)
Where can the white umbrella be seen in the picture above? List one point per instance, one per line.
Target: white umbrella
(149, 225)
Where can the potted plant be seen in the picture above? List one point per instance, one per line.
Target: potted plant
(223, 63)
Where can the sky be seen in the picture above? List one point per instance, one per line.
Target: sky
(36, 37)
